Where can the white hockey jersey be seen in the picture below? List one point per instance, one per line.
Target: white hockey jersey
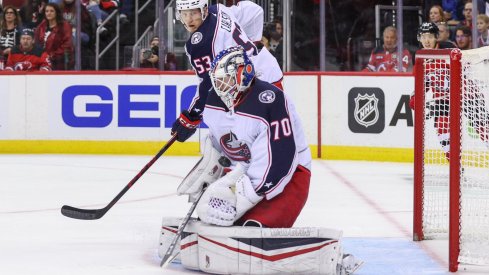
(221, 30)
(263, 134)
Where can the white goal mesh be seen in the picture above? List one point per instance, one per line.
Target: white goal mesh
(474, 183)
(434, 200)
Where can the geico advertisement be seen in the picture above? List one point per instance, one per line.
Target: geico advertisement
(367, 111)
(118, 107)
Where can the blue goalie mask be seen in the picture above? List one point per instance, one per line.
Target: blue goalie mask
(231, 74)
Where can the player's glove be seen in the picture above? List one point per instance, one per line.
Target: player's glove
(185, 126)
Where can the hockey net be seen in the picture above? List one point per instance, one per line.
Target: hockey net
(451, 171)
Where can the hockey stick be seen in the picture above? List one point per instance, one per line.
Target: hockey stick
(168, 257)
(225, 162)
(93, 214)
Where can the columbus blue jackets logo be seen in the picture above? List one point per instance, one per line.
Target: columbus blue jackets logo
(235, 149)
(366, 109)
(196, 38)
(267, 96)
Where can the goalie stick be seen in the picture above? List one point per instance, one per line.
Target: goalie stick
(225, 162)
(168, 257)
(94, 214)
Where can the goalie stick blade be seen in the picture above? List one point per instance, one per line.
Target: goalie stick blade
(82, 214)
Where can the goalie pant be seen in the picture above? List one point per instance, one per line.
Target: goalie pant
(254, 250)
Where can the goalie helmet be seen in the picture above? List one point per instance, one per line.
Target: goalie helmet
(231, 75)
(428, 27)
(182, 5)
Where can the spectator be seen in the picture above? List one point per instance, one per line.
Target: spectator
(54, 34)
(68, 9)
(149, 57)
(463, 37)
(109, 5)
(276, 35)
(436, 14)
(384, 58)
(32, 13)
(170, 62)
(93, 6)
(126, 11)
(272, 40)
(467, 15)
(453, 11)
(483, 29)
(444, 33)
(9, 31)
(27, 56)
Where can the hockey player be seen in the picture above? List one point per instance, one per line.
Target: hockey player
(214, 29)
(251, 123)
(437, 99)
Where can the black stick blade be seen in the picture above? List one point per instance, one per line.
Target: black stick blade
(82, 214)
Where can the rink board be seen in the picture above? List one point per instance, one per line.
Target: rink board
(345, 115)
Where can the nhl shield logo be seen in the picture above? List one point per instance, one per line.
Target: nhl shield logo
(366, 109)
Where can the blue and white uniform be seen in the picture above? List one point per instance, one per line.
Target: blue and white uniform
(263, 134)
(221, 30)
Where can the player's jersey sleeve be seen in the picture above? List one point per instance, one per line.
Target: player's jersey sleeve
(274, 151)
(204, 87)
(250, 16)
(230, 33)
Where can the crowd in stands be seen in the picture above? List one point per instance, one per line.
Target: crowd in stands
(53, 23)
(454, 21)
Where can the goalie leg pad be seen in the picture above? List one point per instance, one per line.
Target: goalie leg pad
(251, 250)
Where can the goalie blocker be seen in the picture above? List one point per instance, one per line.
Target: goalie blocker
(255, 250)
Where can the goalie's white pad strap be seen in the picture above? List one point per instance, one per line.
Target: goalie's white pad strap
(252, 250)
(207, 170)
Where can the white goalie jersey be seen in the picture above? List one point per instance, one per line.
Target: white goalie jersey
(263, 134)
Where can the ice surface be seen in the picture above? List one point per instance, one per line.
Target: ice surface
(370, 201)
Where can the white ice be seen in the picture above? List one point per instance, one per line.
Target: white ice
(370, 201)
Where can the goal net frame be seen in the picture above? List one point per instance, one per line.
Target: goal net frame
(452, 218)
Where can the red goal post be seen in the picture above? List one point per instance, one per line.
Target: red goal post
(451, 155)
